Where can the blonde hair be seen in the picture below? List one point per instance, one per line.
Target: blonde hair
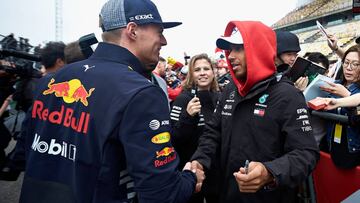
(189, 81)
(112, 35)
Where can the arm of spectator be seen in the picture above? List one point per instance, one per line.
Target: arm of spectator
(256, 178)
(302, 83)
(5, 105)
(333, 45)
(336, 89)
(351, 101)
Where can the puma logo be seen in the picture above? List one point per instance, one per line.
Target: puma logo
(87, 67)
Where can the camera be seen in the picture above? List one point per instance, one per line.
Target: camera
(85, 43)
(24, 63)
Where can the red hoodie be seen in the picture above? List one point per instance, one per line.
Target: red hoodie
(260, 52)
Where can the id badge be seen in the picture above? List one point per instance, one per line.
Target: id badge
(337, 134)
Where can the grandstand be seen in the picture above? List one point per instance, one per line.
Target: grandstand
(335, 15)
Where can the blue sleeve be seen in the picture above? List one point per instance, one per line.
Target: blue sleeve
(151, 159)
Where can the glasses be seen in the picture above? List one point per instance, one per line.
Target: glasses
(353, 64)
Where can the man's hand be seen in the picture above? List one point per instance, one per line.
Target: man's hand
(193, 106)
(198, 169)
(257, 177)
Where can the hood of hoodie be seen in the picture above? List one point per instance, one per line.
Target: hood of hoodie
(260, 52)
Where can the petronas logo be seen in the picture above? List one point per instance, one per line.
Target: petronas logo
(263, 98)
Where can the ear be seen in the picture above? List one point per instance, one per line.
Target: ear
(131, 29)
(59, 62)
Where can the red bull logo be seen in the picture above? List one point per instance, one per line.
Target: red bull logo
(168, 159)
(63, 116)
(165, 152)
(70, 91)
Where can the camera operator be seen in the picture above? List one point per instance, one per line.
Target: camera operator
(54, 55)
(18, 75)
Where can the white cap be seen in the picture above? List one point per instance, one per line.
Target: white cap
(184, 70)
(234, 38)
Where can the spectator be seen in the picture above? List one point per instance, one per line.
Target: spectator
(333, 45)
(160, 68)
(183, 73)
(191, 109)
(52, 57)
(287, 48)
(72, 52)
(5, 135)
(99, 130)
(343, 139)
(318, 124)
(221, 69)
(255, 122)
(158, 80)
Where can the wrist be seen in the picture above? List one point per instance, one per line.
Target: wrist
(270, 185)
(336, 48)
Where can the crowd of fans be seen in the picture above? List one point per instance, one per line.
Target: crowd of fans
(195, 86)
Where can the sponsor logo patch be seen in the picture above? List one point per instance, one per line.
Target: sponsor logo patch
(70, 91)
(54, 148)
(154, 124)
(165, 152)
(259, 112)
(263, 98)
(161, 138)
(168, 159)
(64, 116)
(164, 156)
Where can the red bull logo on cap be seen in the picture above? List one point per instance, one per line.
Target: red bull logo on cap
(70, 91)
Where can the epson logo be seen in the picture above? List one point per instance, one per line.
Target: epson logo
(144, 17)
(64, 150)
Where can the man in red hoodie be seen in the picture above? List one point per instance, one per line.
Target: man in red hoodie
(260, 128)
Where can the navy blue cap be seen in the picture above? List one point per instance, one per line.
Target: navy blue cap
(118, 13)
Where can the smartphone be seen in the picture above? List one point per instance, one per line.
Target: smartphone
(323, 31)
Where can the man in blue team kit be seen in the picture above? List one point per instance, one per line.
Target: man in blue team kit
(98, 130)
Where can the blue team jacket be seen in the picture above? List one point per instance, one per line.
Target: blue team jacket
(98, 131)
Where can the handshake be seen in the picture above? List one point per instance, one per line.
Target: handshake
(198, 169)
